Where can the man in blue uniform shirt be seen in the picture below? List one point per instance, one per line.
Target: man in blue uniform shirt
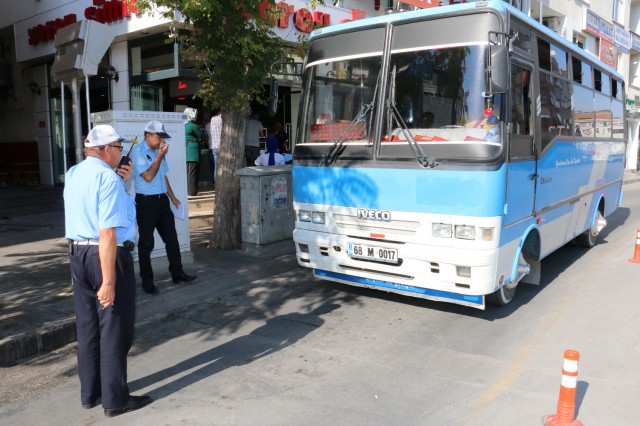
(100, 224)
(153, 194)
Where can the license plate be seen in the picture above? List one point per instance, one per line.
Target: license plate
(379, 254)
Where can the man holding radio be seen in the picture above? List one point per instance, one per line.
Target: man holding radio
(153, 194)
(100, 225)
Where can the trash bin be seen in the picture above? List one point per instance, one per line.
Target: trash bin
(266, 204)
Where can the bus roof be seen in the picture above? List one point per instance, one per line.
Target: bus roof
(499, 6)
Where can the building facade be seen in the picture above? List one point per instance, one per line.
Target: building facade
(141, 71)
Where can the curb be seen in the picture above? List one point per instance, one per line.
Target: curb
(51, 336)
(211, 283)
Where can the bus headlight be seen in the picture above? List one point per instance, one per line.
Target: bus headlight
(466, 232)
(304, 215)
(317, 217)
(441, 230)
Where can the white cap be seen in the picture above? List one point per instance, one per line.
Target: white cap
(157, 127)
(100, 135)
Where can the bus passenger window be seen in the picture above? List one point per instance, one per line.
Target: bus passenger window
(606, 84)
(597, 80)
(544, 55)
(576, 64)
(558, 61)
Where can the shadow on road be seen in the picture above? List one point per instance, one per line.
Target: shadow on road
(278, 333)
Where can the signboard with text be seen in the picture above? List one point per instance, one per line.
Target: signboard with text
(597, 26)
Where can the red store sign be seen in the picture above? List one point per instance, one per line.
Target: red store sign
(303, 19)
(103, 11)
(106, 11)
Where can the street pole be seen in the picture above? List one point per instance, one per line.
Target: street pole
(77, 121)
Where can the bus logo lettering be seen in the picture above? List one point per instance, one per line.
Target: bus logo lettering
(374, 215)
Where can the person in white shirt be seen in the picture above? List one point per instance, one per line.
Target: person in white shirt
(271, 157)
(214, 132)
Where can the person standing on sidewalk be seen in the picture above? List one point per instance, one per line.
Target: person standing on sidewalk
(193, 136)
(100, 225)
(215, 131)
(153, 194)
(252, 139)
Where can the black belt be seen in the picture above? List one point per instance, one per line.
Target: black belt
(127, 244)
(151, 195)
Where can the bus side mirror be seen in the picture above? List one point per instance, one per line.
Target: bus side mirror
(273, 97)
(497, 69)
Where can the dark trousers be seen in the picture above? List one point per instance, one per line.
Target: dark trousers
(251, 153)
(153, 212)
(193, 171)
(104, 335)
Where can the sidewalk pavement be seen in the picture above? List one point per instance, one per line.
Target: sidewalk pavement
(36, 306)
(36, 309)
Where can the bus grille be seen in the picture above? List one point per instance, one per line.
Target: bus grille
(398, 227)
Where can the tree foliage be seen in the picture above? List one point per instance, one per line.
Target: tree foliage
(232, 42)
(234, 45)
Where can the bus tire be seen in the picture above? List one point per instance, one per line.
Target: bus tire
(505, 294)
(502, 296)
(589, 238)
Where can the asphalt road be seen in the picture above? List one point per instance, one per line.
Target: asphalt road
(293, 350)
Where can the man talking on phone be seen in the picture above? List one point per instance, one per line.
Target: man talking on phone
(100, 226)
(153, 195)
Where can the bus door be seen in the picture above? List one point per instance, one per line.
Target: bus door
(521, 163)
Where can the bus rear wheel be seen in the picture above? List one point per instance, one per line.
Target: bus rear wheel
(589, 238)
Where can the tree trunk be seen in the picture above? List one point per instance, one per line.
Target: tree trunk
(227, 226)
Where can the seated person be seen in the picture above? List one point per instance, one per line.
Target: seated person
(271, 157)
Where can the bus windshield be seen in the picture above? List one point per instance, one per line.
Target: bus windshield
(438, 95)
(439, 99)
(433, 103)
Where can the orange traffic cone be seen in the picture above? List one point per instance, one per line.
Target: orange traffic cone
(567, 399)
(636, 253)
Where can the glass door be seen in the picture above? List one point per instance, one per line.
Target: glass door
(63, 148)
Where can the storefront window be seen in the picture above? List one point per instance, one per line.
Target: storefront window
(152, 56)
(146, 97)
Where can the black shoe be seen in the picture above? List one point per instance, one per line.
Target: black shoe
(182, 277)
(90, 405)
(134, 403)
(151, 289)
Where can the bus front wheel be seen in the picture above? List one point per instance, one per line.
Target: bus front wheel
(505, 294)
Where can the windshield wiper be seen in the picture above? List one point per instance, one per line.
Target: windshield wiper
(392, 110)
(334, 152)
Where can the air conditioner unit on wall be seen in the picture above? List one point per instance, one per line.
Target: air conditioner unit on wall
(552, 23)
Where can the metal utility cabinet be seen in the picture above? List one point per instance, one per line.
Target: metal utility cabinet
(266, 204)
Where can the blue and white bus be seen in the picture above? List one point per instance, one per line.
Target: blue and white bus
(443, 153)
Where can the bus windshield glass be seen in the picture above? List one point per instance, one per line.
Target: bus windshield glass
(438, 98)
(338, 97)
(431, 96)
